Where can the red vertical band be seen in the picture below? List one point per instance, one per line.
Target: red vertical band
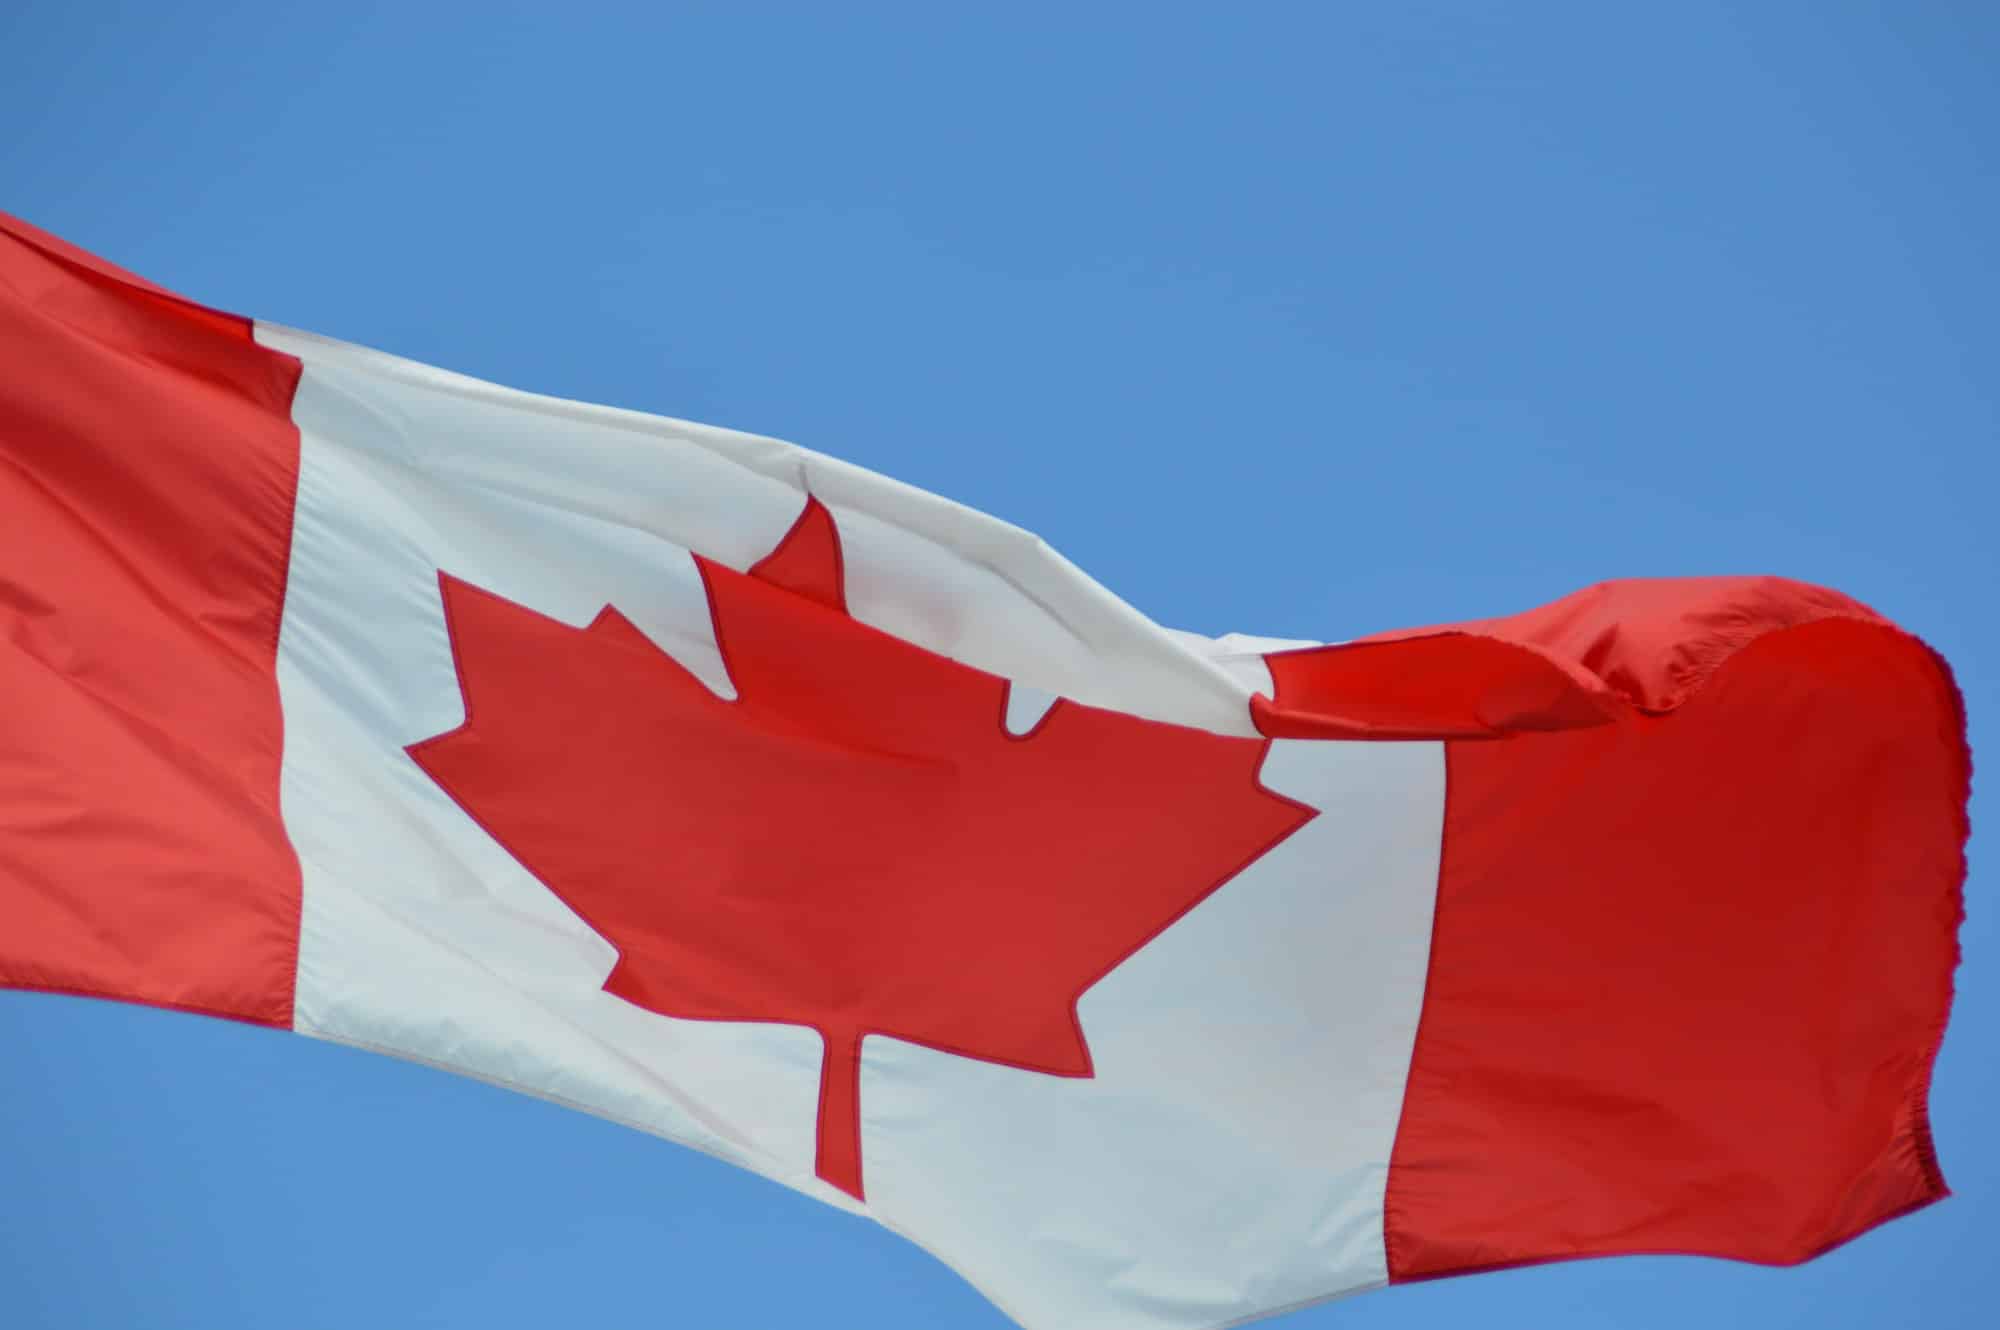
(1690, 971)
(1696, 919)
(148, 468)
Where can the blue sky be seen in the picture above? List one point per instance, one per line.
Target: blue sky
(1305, 320)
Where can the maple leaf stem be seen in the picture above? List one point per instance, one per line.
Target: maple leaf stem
(839, 1143)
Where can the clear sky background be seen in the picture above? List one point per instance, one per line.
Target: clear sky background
(1305, 320)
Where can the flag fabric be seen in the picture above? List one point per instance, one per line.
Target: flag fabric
(782, 810)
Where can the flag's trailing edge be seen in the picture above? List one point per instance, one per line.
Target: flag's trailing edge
(760, 802)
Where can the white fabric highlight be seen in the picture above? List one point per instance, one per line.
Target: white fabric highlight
(1026, 705)
(933, 572)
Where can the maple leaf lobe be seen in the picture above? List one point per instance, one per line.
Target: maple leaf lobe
(854, 843)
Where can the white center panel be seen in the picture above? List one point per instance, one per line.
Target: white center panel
(1250, 1061)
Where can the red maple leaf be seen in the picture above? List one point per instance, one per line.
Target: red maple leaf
(856, 843)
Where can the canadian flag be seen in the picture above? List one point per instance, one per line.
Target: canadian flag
(771, 806)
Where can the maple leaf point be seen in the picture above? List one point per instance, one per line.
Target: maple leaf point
(855, 843)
